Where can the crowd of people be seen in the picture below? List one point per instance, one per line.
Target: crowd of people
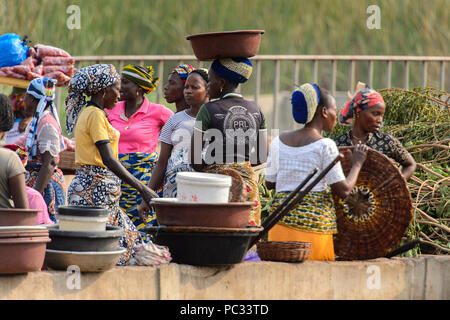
(213, 129)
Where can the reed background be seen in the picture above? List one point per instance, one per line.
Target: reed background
(160, 27)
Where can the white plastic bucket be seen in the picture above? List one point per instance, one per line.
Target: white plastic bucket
(77, 223)
(202, 187)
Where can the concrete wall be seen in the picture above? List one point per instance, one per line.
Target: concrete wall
(427, 277)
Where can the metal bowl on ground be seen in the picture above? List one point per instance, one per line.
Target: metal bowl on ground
(18, 217)
(227, 44)
(203, 245)
(87, 261)
(67, 240)
(170, 212)
(22, 249)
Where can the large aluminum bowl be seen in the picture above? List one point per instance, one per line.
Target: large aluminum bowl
(87, 261)
(67, 240)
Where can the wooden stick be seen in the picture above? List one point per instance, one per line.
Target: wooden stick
(431, 243)
(431, 171)
(445, 228)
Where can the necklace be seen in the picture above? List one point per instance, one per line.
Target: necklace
(129, 124)
(124, 117)
(358, 139)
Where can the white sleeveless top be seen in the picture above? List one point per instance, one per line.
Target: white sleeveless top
(288, 166)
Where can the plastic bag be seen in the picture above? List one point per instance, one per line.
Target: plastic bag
(12, 50)
(150, 254)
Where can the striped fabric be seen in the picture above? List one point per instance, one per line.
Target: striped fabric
(142, 76)
(183, 70)
(140, 165)
(315, 213)
(237, 70)
(304, 102)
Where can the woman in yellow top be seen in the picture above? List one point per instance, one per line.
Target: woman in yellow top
(99, 173)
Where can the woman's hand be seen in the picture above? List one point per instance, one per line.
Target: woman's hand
(143, 210)
(359, 154)
(147, 195)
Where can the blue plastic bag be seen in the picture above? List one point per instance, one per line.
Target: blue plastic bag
(12, 50)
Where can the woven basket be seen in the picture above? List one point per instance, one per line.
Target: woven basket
(287, 251)
(372, 220)
(67, 160)
(237, 185)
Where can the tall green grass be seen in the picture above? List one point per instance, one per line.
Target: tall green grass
(408, 27)
(160, 27)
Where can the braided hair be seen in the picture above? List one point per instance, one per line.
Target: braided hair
(202, 72)
(6, 113)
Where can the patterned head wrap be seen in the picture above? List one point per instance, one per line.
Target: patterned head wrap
(183, 71)
(142, 76)
(20, 151)
(87, 81)
(42, 89)
(363, 99)
(304, 102)
(237, 70)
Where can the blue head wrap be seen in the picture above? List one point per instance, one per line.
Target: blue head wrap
(304, 102)
(237, 70)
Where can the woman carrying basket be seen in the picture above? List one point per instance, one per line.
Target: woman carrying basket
(293, 156)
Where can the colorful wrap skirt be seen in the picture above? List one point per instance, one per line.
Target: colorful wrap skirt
(315, 213)
(140, 165)
(248, 174)
(97, 186)
(313, 220)
(54, 194)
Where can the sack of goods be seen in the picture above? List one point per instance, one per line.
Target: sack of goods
(34, 62)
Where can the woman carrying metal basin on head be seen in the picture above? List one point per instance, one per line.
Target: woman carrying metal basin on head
(236, 127)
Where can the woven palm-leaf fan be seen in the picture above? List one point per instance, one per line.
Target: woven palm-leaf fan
(372, 220)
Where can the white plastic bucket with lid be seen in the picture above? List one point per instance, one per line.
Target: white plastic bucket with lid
(203, 187)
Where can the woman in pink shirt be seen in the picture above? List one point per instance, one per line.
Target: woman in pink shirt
(139, 122)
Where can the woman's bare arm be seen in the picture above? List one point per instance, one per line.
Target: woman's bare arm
(18, 191)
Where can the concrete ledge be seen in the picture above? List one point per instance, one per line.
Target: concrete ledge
(427, 277)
